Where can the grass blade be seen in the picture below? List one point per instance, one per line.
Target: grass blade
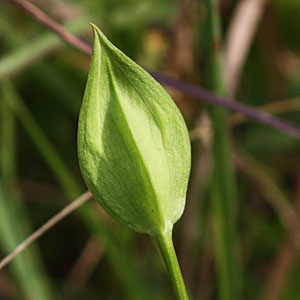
(14, 223)
(224, 199)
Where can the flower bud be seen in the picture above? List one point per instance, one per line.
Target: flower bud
(133, 144)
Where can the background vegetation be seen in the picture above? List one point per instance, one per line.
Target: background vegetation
(239, 236)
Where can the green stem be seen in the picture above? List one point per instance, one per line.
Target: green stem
(223, 189)
(165, 244)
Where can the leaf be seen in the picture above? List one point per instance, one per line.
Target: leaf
(133, 144)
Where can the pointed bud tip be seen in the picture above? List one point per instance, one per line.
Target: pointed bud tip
(95, 28)
(98, 33)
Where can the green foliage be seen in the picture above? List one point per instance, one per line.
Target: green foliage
(223, 185)
(27, 268)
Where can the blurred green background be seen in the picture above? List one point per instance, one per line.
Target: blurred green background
(90, 256)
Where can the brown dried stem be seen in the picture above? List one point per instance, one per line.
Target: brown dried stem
(240, 34)
(38, 15)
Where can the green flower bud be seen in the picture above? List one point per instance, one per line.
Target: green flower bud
(133, 144)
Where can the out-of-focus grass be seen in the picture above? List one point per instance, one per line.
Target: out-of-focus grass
(72, 188)
(223, 185)
(14, 222)
(18, 60)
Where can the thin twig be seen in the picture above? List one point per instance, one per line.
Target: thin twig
(229, 104)
(276, 107)
(53, 221)
(189, 89)
(37, 14)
